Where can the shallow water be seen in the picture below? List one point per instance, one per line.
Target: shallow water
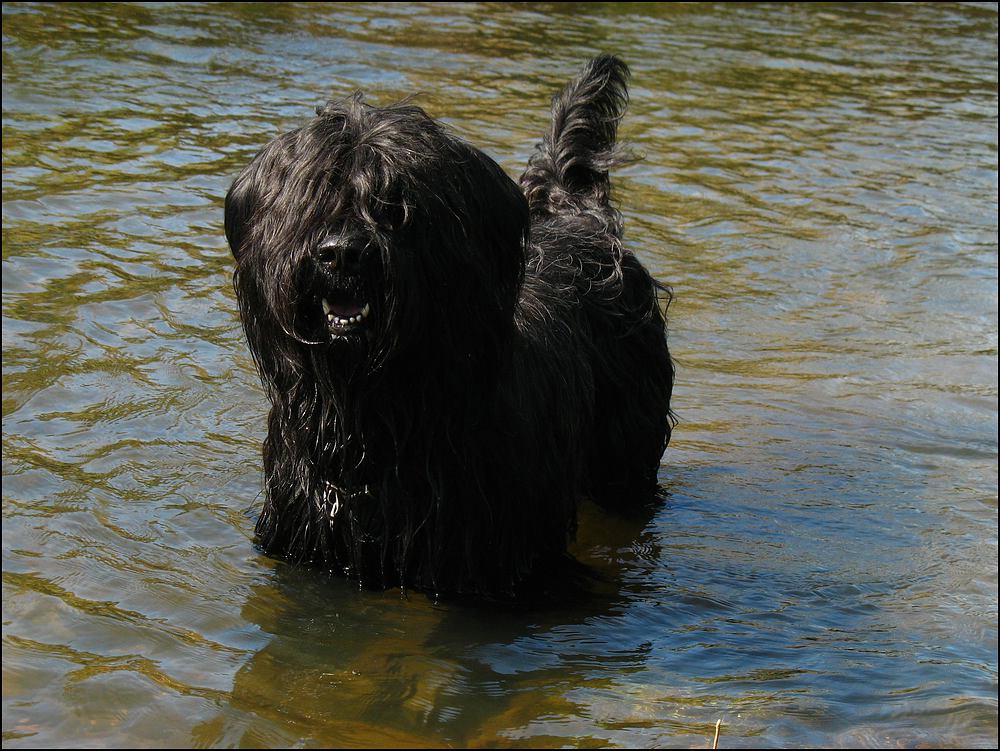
(820, 189)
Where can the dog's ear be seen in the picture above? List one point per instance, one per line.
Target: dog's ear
(240, 204)
(458, 257)
(503, 224)
(481, 216)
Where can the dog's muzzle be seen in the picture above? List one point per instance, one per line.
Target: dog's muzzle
(342, 295)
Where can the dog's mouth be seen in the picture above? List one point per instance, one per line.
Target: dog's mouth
(344, 312)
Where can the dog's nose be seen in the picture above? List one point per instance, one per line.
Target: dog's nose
(339, 254)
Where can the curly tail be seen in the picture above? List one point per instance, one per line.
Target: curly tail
(568, 174)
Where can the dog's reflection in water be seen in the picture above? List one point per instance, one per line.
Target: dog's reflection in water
(339, 667)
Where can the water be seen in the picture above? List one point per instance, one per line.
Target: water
(819, 187)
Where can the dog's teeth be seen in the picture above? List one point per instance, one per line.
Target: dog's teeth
(366, 310)
(335, 320)
(326, 307)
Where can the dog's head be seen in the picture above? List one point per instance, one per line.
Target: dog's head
(371, 233)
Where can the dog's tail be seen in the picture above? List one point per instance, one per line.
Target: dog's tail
(568, 174)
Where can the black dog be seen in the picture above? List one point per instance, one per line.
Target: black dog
(453, 361)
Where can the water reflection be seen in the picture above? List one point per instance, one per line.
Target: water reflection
(357, 668)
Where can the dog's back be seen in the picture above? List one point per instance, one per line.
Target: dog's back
(576, 253)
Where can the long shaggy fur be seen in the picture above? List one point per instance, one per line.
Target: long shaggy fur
(452, 361)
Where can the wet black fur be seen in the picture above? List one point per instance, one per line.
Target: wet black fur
(514, 361)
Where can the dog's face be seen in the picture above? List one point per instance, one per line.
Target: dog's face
(369, 234)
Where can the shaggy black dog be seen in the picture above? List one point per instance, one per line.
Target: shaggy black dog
(453, 361)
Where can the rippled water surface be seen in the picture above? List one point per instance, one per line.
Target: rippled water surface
(820, 189)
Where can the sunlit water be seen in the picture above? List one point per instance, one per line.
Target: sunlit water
(820, 189)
